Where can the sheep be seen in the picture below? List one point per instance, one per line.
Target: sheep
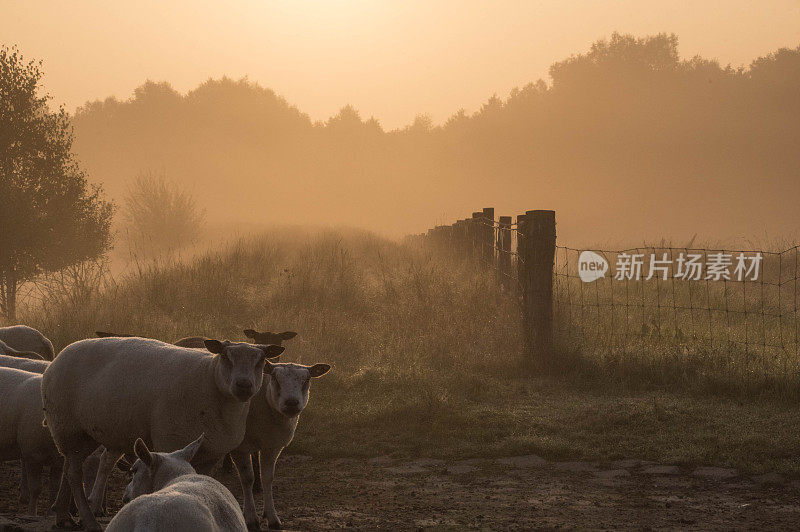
(166, 493)
(22, 435)
(111, 391)
(269, 337)
(32, 366)
(197, 342)
(271, 423)
(24, 338)
(103, 334)
(9, 351)
(25, 364)
(266, 338)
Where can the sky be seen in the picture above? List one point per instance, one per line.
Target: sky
(391, 59)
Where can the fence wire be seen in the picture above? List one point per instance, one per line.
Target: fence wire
(713, 307)
(681, 300)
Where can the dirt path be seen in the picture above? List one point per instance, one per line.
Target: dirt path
(509, 494)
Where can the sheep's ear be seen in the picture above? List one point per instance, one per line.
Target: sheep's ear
(215, 346)
(318, 370)
(250, 333)
(287, 335)
(123, 464)
(188, 452)
(143, 453)
(272, 351)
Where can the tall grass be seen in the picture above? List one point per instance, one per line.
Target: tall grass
(427, 355)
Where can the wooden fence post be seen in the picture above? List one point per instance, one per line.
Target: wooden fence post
(523, 278)
(475, 234)
(487, 237)
(539, 253)
(504, 249)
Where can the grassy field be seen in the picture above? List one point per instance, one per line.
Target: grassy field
(428, 358)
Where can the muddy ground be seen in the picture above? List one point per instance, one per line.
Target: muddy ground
(508, 494)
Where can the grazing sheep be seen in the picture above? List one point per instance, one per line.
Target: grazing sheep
(22, 435)
(9, 351)
(111, 391)
(271, 423)
(24, 338)
(166, 493)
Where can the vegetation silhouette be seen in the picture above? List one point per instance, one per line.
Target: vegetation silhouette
(50, 217)
(626, 138)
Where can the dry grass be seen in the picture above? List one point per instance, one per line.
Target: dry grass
(428, 358)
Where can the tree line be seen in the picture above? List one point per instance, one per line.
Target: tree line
(625, 137)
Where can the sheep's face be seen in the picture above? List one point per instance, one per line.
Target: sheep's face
(152, 471)
(289, 384)
(240, 367)
(268, 338)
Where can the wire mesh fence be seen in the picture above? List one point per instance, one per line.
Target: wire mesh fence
(672, 300)
(689, 299)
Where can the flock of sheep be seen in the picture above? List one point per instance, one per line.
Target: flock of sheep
(100, 398)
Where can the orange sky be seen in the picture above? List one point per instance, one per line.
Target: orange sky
(392, 59)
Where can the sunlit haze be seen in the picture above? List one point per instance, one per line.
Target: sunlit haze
(390, 59)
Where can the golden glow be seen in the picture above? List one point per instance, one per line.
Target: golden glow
(391, 59)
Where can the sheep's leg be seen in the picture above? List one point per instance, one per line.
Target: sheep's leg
(74, 470)
(227, 464)
(63, 501)
(108, 460)
(269, 505)
(34, 476)
(55, 476)
(255, 457)
(244, 465)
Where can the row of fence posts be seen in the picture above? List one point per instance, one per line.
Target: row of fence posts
(489, 242)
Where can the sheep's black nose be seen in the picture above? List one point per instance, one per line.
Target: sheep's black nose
(243, 384)
(291, 403)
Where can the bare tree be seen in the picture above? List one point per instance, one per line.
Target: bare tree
(159, 215)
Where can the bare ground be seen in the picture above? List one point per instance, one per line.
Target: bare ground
(508, 494)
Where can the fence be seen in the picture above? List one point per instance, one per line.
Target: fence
(672, 299)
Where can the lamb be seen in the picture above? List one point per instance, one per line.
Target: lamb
(111, 391)
(166, 493)
(22, 435)
(24, 338)
(9, 351)
(271, 423)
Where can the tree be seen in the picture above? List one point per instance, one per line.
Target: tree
(159, 215)
(50, 218)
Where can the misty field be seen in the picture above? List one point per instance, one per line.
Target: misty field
(429, 360)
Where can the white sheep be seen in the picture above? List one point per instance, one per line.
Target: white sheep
(166, 493)
(24, 338)
(22, 435)
(9, 351)
(111, 391)
(271, 423)
(33, 366)
(25, 364)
